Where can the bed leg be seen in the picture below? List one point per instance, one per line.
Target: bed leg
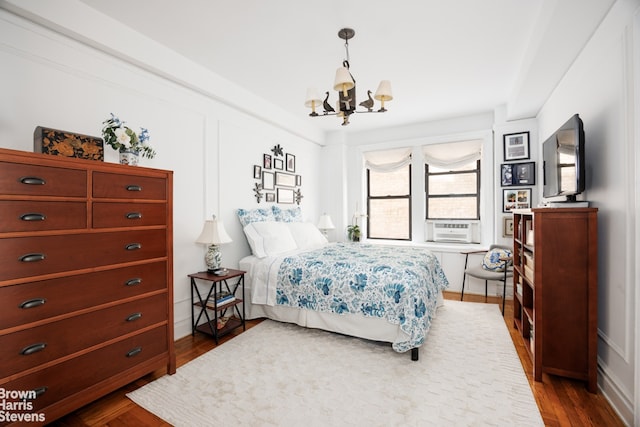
(414, 354)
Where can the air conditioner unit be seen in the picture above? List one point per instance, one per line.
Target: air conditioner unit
(458, 231)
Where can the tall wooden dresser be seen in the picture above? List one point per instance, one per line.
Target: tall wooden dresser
(555, 277)
(86, 280)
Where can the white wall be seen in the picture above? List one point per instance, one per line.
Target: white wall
(599, 86)
(51, 80)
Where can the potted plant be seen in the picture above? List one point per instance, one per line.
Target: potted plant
(353, 233)
(129, 144)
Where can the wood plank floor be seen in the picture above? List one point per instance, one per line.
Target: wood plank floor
(562, 402)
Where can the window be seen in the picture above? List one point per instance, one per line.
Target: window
(452, 180)
(389, 194)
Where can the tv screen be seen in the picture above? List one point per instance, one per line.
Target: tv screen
(563, 161)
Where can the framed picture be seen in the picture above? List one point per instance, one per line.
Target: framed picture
(285, 179)
(257, 172)
(268, 180)
(517, 174)
(524, 173)
(270, 197)
(507, 226)
(278, 164)
(516, 146)
(517, 198)
(266, 161)
(298, 180)
(285, 195)
(291, 162)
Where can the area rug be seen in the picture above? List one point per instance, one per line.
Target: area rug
(278, 374)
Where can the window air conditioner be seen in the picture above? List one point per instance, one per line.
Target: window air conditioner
(458, 231)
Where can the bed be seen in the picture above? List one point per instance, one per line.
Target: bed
(377, 292)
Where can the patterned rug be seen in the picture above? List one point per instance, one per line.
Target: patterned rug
(278, 374)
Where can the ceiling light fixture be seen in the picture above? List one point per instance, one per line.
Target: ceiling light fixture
(345, 84)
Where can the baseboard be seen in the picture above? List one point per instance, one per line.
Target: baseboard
(620, 403)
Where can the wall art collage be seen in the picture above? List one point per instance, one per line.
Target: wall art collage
(277, 178)
(516, 174)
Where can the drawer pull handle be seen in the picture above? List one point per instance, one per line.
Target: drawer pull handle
(32, 180)
(32, 257)
(32, 303)
(33, 348)
(134, 316)
(134, 215)
(133, 246)
(134, 352)
(40, 391)
(133, 282)
(33, 217)
(134, 188)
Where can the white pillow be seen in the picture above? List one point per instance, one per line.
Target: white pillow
(269, 238)
(307, 235)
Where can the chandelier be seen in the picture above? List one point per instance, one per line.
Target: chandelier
(345, 84)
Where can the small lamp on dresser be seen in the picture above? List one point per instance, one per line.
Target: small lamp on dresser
(213, 234)
(325, 224)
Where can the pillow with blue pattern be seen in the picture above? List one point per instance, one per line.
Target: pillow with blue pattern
(287, 215)
(248, 216)
(491, 260)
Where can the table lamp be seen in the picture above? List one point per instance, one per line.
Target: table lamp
(325, 224)
(213, 234)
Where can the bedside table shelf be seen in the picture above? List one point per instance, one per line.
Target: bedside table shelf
(203, 299)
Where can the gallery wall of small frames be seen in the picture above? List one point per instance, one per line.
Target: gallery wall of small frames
(277, 181)
(523, 174)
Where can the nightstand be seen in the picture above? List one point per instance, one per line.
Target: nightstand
(209, 290)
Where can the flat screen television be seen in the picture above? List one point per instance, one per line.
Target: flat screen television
(563, 161)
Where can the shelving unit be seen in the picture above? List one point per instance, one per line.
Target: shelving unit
(555, 290)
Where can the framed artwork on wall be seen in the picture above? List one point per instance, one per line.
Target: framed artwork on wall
(507, 226)
(268, 180)
(270, 197)
(285, 179)
(517, 174)
(285, 195)
(517, 198)
(278, 164)
(257, 172)
(266, 161)
(291, 162)
(516, 146)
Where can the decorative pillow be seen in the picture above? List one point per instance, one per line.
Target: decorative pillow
(491, 260)
(287, 215)
(247, 216)
(269, 238)
(306, 235)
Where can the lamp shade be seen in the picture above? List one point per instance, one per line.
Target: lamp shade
(213, 233)
(312, 98)
(384, 91)
(325, 223)
(343, 81)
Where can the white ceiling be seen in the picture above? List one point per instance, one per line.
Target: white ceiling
(444, 58)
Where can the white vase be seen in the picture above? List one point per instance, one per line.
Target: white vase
(130, 158)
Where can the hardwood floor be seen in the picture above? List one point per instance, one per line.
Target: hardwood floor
(562, 402)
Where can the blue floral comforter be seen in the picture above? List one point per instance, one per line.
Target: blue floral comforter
(400, 284)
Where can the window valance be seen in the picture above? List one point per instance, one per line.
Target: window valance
(452, 155)
(387, 160)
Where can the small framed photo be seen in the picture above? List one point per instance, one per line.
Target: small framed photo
(298, 180)
(285, 179)
(268, 180)
(524, 173)
(516, 146)
(507, 226)
(257, 172)
(517, 198)
(266, 161)
(506, 175)
(291, 162)
(285, 195)
(270, 197)
(278, 164)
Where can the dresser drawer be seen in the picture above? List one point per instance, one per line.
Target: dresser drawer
(119, 186)
(36, 346)
(74, 375)
(33, 180)
(38, 216)
(30, 302)
(32, 256)
(128, 214)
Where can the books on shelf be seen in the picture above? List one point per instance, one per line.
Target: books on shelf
(222, 298)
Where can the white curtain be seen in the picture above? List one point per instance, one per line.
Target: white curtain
(452, 155)
(387, 160)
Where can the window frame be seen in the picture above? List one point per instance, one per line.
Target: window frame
(477, 194)
(408, 197)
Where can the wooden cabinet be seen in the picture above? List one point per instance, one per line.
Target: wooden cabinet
(555, 290)
(86, 278)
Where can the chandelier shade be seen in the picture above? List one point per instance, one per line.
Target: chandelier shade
(345, 85)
